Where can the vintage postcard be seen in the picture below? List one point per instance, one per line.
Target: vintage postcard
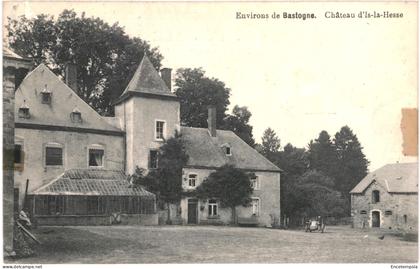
(210, 132)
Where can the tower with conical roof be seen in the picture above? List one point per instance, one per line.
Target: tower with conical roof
(149, 113)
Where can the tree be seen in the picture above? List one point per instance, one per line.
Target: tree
(294, 163)
(352, 165)
(270, 143)
(322, 154)
(238, 122)
(104, 55)
(166, 180)
(230, 185)
(196, 92)
(317, 196)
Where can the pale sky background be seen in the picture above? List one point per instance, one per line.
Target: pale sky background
(297, 77)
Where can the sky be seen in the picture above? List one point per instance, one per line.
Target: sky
(298, 77)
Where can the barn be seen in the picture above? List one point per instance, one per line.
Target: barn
(92, 197)
(387, 198)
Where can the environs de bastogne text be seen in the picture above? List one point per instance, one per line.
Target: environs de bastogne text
(326, 14)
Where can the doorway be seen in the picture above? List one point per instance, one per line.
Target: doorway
(376, 219)
(192, 211)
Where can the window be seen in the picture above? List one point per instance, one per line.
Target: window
(388, 213)
(405, 219)
(363, 212)
(46, 96)
(18, 154)
(227, 149)
(159, 130)
(53, 155)
(375, 197)
(153, 163)
(18, 157)
(96, 157)
(23, 112)
(192, 180)
(212, 207)
(255, 183)
(255, 203)
(76, 115)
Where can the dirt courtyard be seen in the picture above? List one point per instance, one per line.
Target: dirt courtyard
(211, 244)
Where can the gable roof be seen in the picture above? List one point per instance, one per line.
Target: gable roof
(146, 81)
(10, 58)
(205, 151)
(7, 52)
(396, 178)
(92, 182)
(64, 100)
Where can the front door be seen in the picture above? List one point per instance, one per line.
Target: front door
(192, 211)
(376, 217)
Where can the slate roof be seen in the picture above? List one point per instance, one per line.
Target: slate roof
(207, 152)
(146, 80)
(91, 182)
(64, 100)
(395, 178)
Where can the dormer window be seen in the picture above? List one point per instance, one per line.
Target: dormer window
(24, 111)
(76, 115)
(227, 149)
(46, 96)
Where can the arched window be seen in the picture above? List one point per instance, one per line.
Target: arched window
(375, 197)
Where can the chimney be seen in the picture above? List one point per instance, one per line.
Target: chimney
(71, 76)
(165, 73)
(211, 121)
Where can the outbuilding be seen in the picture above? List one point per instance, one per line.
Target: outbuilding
(387, 198)
(92, 197)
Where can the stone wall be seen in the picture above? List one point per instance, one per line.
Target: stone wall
(8, 156)
(398, 211)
